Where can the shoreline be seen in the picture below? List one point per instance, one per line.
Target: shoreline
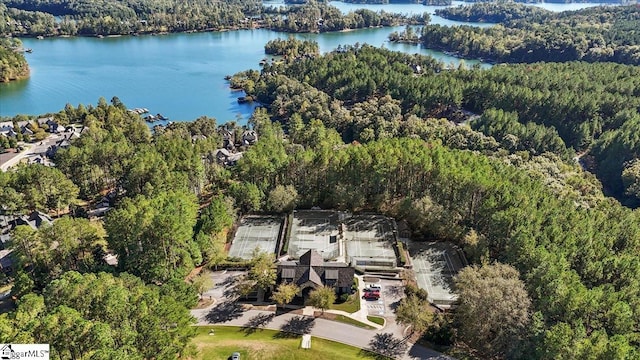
(159, 33)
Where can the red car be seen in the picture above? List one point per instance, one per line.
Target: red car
(371, 295)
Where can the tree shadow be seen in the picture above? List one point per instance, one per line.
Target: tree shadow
(225, 311)
(394, 291)
(257, 322)
(394, 305)
(387, 346)
(295, 327)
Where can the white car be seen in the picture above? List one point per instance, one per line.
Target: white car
(375, 286)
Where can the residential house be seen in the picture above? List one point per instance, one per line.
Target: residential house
(226, 157)
(26, 130)
(228, 139)
(8, 223)
(311, 272)
(249, 137)
(6, 263)
(52, 126)
(6, 127)
(35, 220)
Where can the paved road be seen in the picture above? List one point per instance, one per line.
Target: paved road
(388, 340)
(31, 149)
(380, 340)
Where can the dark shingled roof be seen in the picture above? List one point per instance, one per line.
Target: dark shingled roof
(311, 268)
(288, 273)
(312, 258)
(310, 275)
(331, 274)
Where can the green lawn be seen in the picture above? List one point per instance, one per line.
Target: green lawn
(267, 345)
(350, 321)
(376, 320)
(352, 304)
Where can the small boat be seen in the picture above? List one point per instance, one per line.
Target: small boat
(161, 117)
(39, 37)
(29, 51)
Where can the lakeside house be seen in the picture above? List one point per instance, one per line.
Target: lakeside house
(52, 126)
(249, 137)
(228, 139)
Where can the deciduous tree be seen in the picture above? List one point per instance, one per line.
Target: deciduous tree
(494, 310)
(322, 297)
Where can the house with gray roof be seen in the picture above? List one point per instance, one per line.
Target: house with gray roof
(311, 272)
(6, 263)
(249, 137)
(226, 157)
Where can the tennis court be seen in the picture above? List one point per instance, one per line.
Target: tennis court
(256, 231)
(435, 264)
(317, 230)
(370, 241)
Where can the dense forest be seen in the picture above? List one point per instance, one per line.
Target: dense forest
(13, 65)
(292, 48)
(543, 216)
(591, 34)
(548, 107)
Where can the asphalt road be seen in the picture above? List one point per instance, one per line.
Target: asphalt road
(31, 149)
(389, 340)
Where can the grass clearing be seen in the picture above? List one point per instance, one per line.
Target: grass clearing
(267, 345)
(351, 305)
(376, 320)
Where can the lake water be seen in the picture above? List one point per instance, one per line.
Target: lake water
(178, 75)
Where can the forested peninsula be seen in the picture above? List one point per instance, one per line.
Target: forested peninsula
(526, 35)
(13, 65)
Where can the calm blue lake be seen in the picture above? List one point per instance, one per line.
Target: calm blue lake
(178, 75)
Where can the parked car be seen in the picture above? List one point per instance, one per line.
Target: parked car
(371, 295)
(235, 356)
(371, 290)
(375, 286)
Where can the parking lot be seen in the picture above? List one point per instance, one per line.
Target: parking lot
(391, 291)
